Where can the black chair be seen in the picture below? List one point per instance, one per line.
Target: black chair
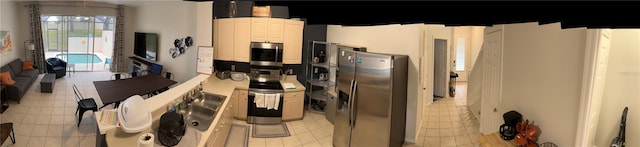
(84, 104)
(57, 66)
(168, 75)
(118, 76)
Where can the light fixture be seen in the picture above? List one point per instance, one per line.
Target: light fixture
(28, 46)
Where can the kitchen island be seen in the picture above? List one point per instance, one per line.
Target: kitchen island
(158, 104)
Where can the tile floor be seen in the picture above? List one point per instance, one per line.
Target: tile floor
(48, 119)
(448, 123)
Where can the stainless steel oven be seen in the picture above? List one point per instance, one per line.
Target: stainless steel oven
(266, 54)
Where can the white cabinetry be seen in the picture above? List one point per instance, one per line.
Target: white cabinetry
(293, 42)
(232, 37)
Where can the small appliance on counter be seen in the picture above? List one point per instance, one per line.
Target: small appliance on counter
(223, 75)
(133, 115)
(171, 128)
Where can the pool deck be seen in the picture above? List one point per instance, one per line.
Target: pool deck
(84, 67)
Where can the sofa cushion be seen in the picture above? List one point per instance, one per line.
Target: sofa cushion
(58, 68)
(27, 65)
(7, 68)
(16, 66)
(5, 78)
(29, 73)
(22, 83)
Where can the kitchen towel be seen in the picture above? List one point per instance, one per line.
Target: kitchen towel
(273, 101)
(259, 100)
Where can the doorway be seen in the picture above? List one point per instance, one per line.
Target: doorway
(439, 68)
(84, 42)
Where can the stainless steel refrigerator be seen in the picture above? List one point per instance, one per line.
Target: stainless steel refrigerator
(372, 99)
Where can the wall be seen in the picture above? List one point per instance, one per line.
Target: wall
(395, 39)
(171, 20)
(9, 14)
(542, 77)
(621, 89)
(474, 89)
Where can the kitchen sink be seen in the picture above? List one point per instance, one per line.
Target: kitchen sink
(198, 117)
(209, 100)
(200, 113)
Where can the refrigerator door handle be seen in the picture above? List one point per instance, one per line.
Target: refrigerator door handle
(354, 105)
(350, 101)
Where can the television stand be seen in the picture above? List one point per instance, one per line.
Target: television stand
(137, 64)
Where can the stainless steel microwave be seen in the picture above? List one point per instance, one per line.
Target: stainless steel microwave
(266, 54)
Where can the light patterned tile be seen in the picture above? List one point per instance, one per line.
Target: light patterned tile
(273, 142)
(447, 141)
(35, 141)
(291, 141)
(54, 131)
(305, 138)
(43, 119)
(54, 142)
(312, 144)
(431, 142)
(25, 129)
(462, 140)
(40, 131)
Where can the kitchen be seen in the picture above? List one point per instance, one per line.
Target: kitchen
(268, 62)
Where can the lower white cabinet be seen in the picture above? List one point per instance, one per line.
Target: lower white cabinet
(293, 105)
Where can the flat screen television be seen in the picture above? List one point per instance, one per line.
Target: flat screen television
(146, 45)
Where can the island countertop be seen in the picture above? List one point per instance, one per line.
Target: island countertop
(158, 104)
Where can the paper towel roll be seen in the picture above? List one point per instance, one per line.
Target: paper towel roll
(145, 141)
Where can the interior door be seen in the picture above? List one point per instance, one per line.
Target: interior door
(602, 59)
(491, 80)
(440, 69)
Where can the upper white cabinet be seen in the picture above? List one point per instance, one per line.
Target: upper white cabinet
(242, 39)
(267, 30)
(232, 37)
(225, 42)
(292, 42)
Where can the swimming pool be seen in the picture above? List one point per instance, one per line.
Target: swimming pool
(79, 58)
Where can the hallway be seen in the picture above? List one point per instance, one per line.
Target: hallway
(447, 122)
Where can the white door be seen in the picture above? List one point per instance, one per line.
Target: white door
(602, 59)
(427, 69)
(491, 80)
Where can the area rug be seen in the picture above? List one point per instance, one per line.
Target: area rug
(270, 131)
(238, 136)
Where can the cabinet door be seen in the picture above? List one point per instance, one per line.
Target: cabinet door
(225, 39)
(216, 30)
(293, 104)
(242, 104)
(235, 101)
(242, 39)
(276, 30)
(293, 42)
(259, 30)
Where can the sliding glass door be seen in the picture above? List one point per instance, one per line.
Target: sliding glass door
(85, 42)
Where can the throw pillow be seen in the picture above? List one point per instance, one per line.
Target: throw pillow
(27, 65)
(5, 78)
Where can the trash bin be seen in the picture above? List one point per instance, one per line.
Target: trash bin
(452, 83)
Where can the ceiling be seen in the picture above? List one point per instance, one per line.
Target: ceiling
(591, 14)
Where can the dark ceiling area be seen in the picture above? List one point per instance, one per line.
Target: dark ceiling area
(571, 14)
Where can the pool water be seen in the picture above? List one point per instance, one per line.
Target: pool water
(79, 58)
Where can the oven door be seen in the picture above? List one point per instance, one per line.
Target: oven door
(257, 115)
(266, 54)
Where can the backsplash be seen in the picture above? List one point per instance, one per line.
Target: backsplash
(221, 65)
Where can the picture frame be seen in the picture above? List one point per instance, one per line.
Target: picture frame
(6, 45)
(204, 62)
